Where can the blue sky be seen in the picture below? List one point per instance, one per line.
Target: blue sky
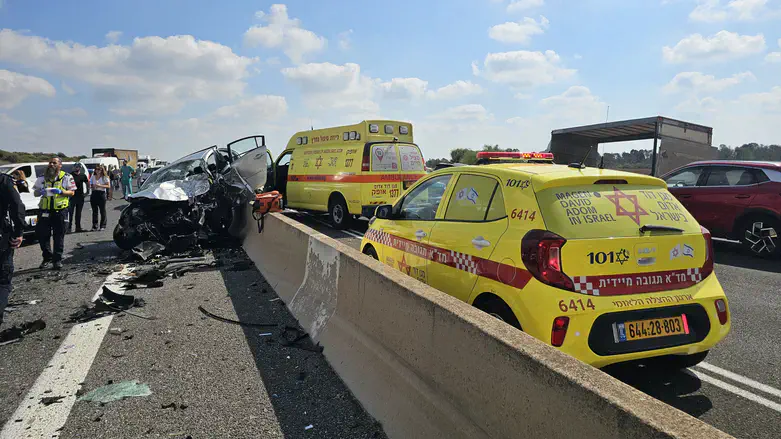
(168, 77)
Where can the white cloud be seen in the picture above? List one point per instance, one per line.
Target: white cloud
(329, 86)
(15, 87)
(68, 89)
(260, 108)
(576, 106)
(152, 73)
(519, 32)
(697, 106)
(113, 36)
(6, 120)
(344, 39)
(723, 46)
(473, 112)
(774, 56)
(697, 82)
(71, 112)
(283, 32)
(708, 11)
(767, 101)
(523, 68)
(404, 88)
(711, 11)
(576, 99)
(455, 90)
(522, 5)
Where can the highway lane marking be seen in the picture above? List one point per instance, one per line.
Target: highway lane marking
(741, 379)
(346, 232)
(736, 390)
(61, 377)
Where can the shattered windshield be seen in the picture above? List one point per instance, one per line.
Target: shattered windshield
(177, 171)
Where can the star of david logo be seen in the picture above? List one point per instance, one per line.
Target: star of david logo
(404, 267)
(319, 162)
(635, 214)
(622, 256)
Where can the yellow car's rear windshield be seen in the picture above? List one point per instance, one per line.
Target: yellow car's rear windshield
(603, 211)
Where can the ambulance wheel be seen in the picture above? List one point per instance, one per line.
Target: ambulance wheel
(337, 210)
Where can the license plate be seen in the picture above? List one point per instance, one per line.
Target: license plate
(650, 328)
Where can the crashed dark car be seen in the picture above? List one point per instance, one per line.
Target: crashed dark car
(196, 200)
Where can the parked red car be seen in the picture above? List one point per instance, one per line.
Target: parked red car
(738, 200)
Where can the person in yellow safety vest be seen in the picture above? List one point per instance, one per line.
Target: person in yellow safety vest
(54, 187)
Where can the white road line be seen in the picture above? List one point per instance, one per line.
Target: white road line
(353, 234)
(62, 377)
(741, 379)
(357, 232)
(736, 390)
(346, 232)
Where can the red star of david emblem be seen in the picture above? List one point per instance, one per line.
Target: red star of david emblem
(621, 210)
(319, 162)
(403, 265)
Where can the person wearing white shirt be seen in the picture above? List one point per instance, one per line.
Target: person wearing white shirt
(55, 188)
(100, 185)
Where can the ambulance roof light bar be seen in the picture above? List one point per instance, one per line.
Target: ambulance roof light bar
(515, 155)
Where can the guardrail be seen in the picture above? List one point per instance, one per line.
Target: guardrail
(426, 365)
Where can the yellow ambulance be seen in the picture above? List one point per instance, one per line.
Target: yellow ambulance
(348, 171)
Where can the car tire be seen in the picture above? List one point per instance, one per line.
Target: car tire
(674, 363)
(756, 236)
(338, 213)
(124, 240)
(369, 251)
(498, 309)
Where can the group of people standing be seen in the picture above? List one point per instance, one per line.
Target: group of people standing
(62, 201)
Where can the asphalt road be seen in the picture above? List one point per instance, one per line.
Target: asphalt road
(207, 378)
(737, 388)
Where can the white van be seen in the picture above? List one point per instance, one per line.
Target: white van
(92, 162)
(32, 171)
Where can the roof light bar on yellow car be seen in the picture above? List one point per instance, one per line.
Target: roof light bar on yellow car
(514, 155)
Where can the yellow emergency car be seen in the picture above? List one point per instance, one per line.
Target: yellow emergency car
(349, 170)
(605, 265)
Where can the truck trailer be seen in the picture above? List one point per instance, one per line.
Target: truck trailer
(131, 155)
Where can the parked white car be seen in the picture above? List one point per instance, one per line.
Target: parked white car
(32, 171)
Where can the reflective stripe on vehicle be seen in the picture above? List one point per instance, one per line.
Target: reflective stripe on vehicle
(503, 273)
(348, 178)
(637, 283)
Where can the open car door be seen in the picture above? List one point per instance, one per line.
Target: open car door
(249, 158)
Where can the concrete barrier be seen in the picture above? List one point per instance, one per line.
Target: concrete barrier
(428, 366)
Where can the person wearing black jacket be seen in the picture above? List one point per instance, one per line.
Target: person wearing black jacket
(77, 200)
(12, 213)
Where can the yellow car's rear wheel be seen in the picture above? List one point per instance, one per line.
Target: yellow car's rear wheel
(497, 308)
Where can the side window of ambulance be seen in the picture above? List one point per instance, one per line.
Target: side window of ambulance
(422, 203)
(471, 198)
(384, 158)
(411, 160)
